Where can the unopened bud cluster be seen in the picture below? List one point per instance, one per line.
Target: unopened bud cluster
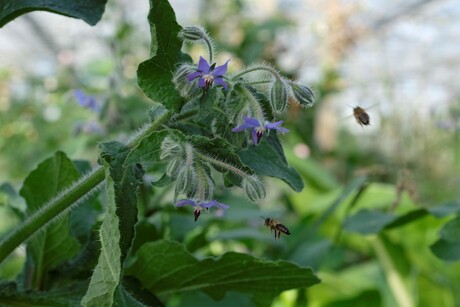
(191, 170)
(254, 188)
(244, 105)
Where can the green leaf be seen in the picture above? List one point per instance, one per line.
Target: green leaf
(368, 298)
(127, 177)
(68, 295)
(88, 10)
(106, 275)
(368, 221)
(155, 75)
(407, 218)
(448, 246)
(445, 209)
(124, 298)
(52, 246)
(165, 267)
(267, 159)
(157, 111)
(148, 150)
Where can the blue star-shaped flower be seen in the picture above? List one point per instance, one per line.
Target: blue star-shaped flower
(257, 128)
(209, 74)
(201, 205)
(86, 101)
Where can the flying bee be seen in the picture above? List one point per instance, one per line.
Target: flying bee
(361, 116)
(276, 226)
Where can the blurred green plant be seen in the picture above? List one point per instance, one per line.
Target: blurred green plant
(369, 240)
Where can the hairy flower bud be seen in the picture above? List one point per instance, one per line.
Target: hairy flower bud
(186, 180)
(181, 82)
(303, 94)
(170, 148)
(253, 187)
(278, 96)
(172, 166)
(192, 33)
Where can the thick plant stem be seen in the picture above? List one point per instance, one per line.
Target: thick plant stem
(394, 279)
(50, 211)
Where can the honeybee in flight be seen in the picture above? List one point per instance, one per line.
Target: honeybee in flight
(276, 226)
(361, 115)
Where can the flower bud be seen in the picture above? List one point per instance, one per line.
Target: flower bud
(186, 180)
(181, 82)
(278, 96)
(172, 166)
(253, 187)
(170, 148)
(303, 94)
(192, 33)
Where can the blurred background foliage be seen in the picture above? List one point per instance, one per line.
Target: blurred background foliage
(386, 56)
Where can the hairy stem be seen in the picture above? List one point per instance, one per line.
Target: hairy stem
(56, 206)
(222, 164)
(210, 48)
(254, 105)
(255, 68)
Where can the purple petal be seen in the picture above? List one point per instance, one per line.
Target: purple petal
(220, 81)
(203, 66)
(194, 75)
(186, 202)
(209, 204)
(281, 129)
(273, 125)
(222, 206)
(276, 126)
(255, 137)
(253, 122)
(80, 96)
(201, 83)
(220, 70)
(242, 127)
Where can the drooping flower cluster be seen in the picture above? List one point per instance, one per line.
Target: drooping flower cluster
(238, 104)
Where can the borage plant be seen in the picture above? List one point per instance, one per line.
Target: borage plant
(209, 130)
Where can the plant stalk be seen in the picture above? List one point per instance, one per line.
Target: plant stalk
(64, 201)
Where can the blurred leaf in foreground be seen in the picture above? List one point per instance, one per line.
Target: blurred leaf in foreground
(165, 268)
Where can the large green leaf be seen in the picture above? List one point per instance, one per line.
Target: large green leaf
(127, 177)
(124, 298)
(155, 74)
(88, 10)
(106, 275)
(368, 221)
(148, 150)
(52, 246)
(448, 246)
(68, 295)
(165, 267)
(267, 159)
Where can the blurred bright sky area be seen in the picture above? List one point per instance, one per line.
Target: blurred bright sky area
(411, 61)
